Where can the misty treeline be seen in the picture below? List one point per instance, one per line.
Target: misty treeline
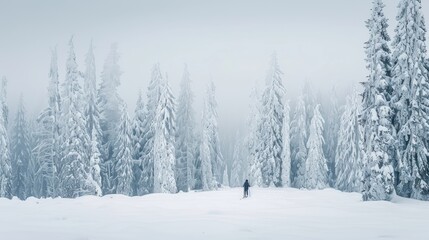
(84, 142)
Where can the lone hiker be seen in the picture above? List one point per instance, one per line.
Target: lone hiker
(246, 186)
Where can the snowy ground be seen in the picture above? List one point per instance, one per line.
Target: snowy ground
(268, 214)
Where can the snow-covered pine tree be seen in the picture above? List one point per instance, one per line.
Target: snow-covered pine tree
(146, 181)
(109, 106)
(137, 141)
(378, 181)
(316, 175)
(185, 137)
(348, 159)
(198, 184)
(31, 186)
(210, 125)
(5, 164)
(20, 153)
(124, 160)
(298, 147)
(251, 141)
(207, 180)
(3, 101)
(164, 142)
(90, 93)
(92, 117)
(410, 101)
(74, 173)
(286, 153)
(95, 170)
(331, 114)
(47, 150)
(270, 125)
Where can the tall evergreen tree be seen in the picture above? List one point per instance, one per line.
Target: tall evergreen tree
(137, 141)
(92, 116)
(286, 153)
(198, 184)
(147, 176)
(376, 116)
(331, 113)
(210, 127)
(5, 164)
(47, 150)
(207, 180)
(253, 164)
(31, 186)
(411, 101)
(90, 93)
(124, 161)
(316, 176)
(348, 160)
(74, 173)
(109, 105)
(20, 152)
(94, 166)
(298, 147)
(185, 138)
(164, 142)
(269, 131)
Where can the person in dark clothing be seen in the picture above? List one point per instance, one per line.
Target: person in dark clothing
(246, 186)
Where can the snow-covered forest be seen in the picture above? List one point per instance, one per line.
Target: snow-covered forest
(84, 142)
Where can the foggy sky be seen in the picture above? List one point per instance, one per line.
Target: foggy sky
(227, 41)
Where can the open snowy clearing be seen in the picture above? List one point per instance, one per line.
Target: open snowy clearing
(267, 214)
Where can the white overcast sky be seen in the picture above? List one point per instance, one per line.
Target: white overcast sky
(229, 41)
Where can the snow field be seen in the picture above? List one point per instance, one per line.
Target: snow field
(267, 214)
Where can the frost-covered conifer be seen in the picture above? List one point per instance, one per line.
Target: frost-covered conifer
(410, 100)
(109, 106)
(376, 118)
(211, 126)
(207, 181)
(74, 172)
(331, 114)
(92, 114)
(92, 117)
(198, 184)
(137, 141)
(316, 175)
(348, 160)
(164, 142)
(269, 130)
(286, 153)
(253, 164)
(210, 155)
(47, 150)
(20, 153)
(5, 164)
(298, 147)
(31, 186)
(95, 170)
(124, 161)
(146, 181)
(185, 137)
